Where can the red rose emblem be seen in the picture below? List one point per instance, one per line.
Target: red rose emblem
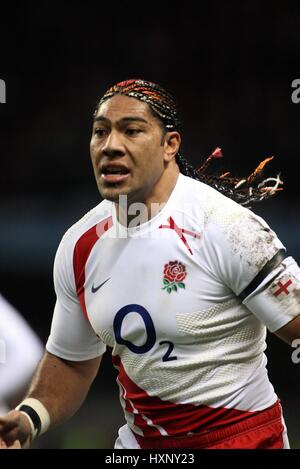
(174, 271)
(174, 274)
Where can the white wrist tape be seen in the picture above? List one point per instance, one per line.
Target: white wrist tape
(37, 414)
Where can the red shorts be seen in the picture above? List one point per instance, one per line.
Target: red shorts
(262, 431)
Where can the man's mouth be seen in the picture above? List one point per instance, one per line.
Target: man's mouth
(114, 174)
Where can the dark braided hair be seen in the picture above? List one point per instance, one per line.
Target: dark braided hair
(162, 105)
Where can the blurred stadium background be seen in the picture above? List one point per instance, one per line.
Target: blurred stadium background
(230, 65)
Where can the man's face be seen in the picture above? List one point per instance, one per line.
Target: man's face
(127, 149)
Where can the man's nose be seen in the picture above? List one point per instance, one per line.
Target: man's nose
(113, 145)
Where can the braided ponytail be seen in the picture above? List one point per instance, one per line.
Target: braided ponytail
(162, 105)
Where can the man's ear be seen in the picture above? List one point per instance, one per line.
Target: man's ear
(172, 142)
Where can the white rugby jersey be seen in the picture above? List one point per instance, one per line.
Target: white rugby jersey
(169, 298)
(20, 352)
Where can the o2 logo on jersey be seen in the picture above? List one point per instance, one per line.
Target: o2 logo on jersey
(149, 329)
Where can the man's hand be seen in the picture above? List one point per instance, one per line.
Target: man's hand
(14, 431)
(15, 445)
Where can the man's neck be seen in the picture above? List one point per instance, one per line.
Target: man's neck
(134, 213)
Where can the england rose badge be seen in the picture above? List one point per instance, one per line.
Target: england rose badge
(174, 274)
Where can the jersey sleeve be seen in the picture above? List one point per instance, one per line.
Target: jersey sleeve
(240, 253)
(276, 301)
(71, 337)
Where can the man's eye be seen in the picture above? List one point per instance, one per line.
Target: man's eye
(100, 132)
(132, 131)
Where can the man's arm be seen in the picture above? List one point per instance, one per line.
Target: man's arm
(290, 331)
(61, 386)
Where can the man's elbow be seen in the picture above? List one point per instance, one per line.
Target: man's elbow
(290, 332)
